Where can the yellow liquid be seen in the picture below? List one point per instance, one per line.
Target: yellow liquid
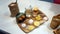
(38, 17)
(31, 27)
(36, 23)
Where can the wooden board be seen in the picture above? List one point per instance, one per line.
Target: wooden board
(32, 22)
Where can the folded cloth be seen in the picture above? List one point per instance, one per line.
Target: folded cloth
(57, 1)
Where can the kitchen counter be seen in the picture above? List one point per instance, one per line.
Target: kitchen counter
(9, 24)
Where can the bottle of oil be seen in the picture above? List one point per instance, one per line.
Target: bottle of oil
(28, 12)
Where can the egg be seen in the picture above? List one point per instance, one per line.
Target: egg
(30, 21)
(23, 25)
(45, 18)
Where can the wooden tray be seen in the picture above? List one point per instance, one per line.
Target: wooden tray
(31, 22)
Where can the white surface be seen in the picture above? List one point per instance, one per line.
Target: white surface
(8, 23)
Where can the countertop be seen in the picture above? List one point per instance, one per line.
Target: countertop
(9, 24)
